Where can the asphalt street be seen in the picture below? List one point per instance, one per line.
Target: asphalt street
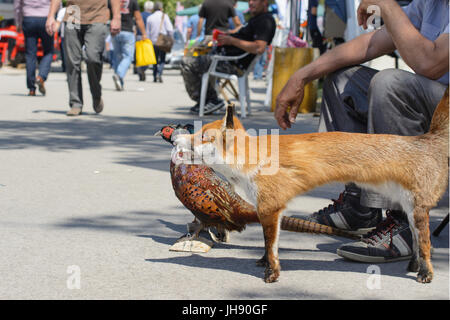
(87, 210)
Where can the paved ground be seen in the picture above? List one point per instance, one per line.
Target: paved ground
(91, 196)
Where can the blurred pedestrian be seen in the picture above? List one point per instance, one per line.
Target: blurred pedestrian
(30, 18)
(85, 26)
(240, 16)
(157, 23)
(215, 13)
(148, 10)
(124, 42)
(192, 28)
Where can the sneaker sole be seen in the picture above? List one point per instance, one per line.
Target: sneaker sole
(215, 108)
(359, 232)
(368, 259)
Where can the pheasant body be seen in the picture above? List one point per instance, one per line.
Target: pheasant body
(211, 199)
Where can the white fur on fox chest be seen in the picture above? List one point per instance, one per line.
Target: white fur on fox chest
(243, 183)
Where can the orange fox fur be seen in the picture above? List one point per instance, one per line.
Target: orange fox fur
(411, 170)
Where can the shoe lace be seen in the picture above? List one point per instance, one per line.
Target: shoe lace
(382, 229)
(335, 205)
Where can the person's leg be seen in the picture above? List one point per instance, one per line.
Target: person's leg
(128, 46)
(73, 53)
(192, 70)
(344, 100)
(155, 66)
(161, 64)
(94, 40)
(31, 38)
(117, 52)
(344, 108)
(47, 46)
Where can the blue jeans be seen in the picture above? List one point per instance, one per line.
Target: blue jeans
(259, 66)
(158, 68)
(124, 46)
(34, 29)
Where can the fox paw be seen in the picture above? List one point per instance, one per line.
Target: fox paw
(424, 277)
(271, 275)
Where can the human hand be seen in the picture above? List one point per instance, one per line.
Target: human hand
(144, 37)
(50, 25)
(290, 96)
(224, 39)
(364, 12)
(115, 26)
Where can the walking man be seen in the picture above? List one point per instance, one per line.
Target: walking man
(124, 42)
(30, 16)
(85, 26)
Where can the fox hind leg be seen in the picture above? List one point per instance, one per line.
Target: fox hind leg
(421, 222)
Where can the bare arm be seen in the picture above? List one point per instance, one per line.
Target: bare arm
(115, 21)
(140, 24)
(361, 49)
(200, 26)
(50, 23)
(427, 58)
(188, 35)
(254, 47)
(18, 14)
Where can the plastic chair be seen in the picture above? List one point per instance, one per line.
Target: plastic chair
(244, 90)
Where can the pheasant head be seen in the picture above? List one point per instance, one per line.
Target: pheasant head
(169, 132)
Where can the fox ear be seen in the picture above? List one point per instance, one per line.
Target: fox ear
(229, 117)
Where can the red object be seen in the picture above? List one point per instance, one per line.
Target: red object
(216, 33)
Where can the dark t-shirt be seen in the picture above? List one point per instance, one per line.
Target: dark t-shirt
(127, 9)
(261, 27)
(216, 14)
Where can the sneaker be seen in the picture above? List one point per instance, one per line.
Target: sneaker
(40, 83)
(390, 241)
(117, 82)
(213, 105)
(347, 214)
(195, 109)
(98, 105)
(75, 111)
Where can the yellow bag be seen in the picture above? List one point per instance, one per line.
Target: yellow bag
(145, 54)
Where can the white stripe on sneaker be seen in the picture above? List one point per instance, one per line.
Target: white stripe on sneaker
(401, 245)
(339, 221)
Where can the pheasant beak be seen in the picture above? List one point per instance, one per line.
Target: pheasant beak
(159, 133)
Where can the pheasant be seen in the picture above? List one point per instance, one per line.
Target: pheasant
(214, 202)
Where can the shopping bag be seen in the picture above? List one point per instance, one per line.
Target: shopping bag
(145, 54)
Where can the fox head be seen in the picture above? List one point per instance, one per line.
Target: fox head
(215, 141)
